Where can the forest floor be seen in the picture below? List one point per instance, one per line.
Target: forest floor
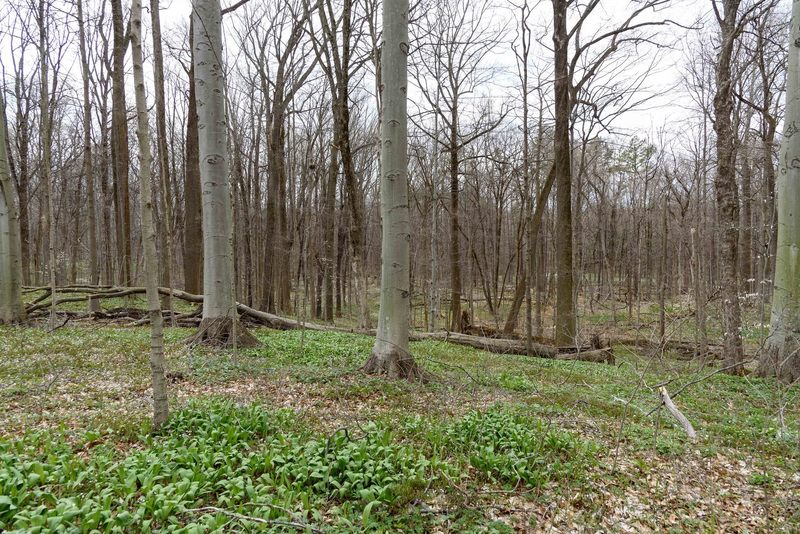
(291, 437)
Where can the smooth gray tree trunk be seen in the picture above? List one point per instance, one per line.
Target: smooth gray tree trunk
(220, 321)
(12, 309)
(781, 355)
(390, 354)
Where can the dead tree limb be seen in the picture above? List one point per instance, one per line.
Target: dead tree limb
(494, 345)
(676, 413)
(604, 355)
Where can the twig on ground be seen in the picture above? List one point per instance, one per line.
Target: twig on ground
(280, 522)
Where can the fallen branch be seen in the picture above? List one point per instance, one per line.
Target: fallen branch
(489, 344)
(676, 413)
(494, 345)
(687, 349)
(279, 522)
(604, 355)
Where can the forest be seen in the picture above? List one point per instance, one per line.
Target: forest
(399, 266)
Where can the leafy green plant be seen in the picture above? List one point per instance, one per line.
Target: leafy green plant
(511, 447)
(515, 382)
(249, 460)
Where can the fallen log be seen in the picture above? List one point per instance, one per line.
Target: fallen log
(686, 348)
(604, 355)
(493, 345)
(489, 344)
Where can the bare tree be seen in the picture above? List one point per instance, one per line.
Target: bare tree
(390, 354)
(45, 123)
(159, 383)
(781, 355)
(120, 153)
(88, 168)
(193, 259)
(450, 66)
(727, 190)
(11, 306)
(163, 153)
(220, 324)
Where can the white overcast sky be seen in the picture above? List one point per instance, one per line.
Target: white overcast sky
(669, 107)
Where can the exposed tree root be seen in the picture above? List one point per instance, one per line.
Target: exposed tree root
(223, 332)
(395, 365)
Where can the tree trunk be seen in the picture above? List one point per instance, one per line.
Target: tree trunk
(12, 309)
(390, 354)
(120, 152)
(159, 383)
(746, 224)
(781, 355)
(329, 234)
(23, 175)
(455, 253)
(220, 325)
(192, 196)
(88, 171)
(163, 153)
(46, 170)
(566, 328)
(727, 192)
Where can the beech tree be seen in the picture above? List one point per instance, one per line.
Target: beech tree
(11, 307)
(220, 324)
(781, 355)
(391, 354)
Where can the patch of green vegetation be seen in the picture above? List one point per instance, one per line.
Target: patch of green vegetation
(249, 460)
(515, 382)
(511, 447)
(90, 387)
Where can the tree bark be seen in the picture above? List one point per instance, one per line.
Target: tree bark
(781, 355)
(566, 327)
(45, 121)
(727, 192)
(192, 192)
(159, 383)
(12, 309)
(391, 354)
(220, 325)
(88, 170)
(120, 153)
(163, 153)
(455, 252)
